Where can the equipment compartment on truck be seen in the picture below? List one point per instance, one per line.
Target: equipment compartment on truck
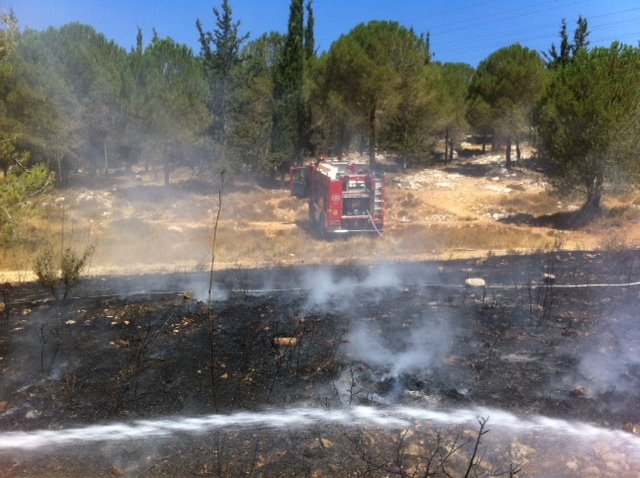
(344, 197)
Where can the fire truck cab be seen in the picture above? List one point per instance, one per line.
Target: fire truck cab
(344, 197)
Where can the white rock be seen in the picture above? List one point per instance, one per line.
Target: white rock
(475, 282)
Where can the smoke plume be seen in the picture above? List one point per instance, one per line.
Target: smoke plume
(417, 349)
(326, 289)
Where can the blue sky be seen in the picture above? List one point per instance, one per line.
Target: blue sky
(461, 30)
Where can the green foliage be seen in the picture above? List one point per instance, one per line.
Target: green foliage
(61, 270)
(220, 54)
(252, 108)
(8, 34)
(413, 129)
(15, 191)
(221, 48)
(71, 266)
(93, 104)
(589, 120)
(73, 100)
(21, 108)
(580, 41)
(46, 271)
(309, 39)
(504, 91)
(559, 58)
(288, 111)
(377, 73)
(173, 103)
(568, 50)
(78, 71)
(453, 89)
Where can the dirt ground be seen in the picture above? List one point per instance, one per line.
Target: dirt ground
(469, 208)
(361, 356)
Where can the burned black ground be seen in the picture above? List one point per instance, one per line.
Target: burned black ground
(143, 347)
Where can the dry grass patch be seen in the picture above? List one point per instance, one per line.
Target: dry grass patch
(425, 238)
(360, 247)
(289, 203)
(407, 206)
(254, 205)
(258, 247)
(534, 203)
(620, 216)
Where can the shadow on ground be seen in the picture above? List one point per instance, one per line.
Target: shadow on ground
(565, 220)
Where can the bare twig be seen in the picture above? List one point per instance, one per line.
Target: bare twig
(481, 432)
(210, 315)
(213, 240)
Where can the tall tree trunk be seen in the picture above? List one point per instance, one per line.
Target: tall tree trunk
(341, 139)
(508, 153)
(372, 137)
(594, 194)
(518, 152)
(106, 160)
(60, 176)
(301, 136)
(446, 145)
(223, 121)
(166, 167)
(450, 149)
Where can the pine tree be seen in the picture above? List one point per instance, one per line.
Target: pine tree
(139, 41)
(378, 72)
(568, 50)
(508, 83)
(289, 107)
(589, 124)
(427, 45)
(309, 41)
(220, 52)
(555, 58)
(580, 41)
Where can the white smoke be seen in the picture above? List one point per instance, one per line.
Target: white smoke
(612, 361)
(198, 289)
(416, 349)
(326, 289)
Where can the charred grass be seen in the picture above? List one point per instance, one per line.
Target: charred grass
(515, 347)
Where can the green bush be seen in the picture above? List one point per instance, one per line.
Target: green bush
(63, 270)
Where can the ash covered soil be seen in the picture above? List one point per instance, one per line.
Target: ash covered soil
(564, 345)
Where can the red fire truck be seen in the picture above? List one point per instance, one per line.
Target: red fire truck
(343, 197)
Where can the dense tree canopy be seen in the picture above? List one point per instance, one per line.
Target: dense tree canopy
(77, 102)
(288, 112)
(220, 54)
(378, 72)
(78, 72)
(253, 105)
(505, 89)
(177, 92)
(18, 107)
(589, 120)
(453, 91)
